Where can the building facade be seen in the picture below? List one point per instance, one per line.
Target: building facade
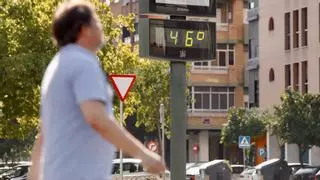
(218, 85)
(215, 85)
(289, 58)
(253, 48)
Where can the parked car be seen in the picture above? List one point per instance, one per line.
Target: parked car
(306, 173)
(296, 166)
(4, 169)
(216, 170)
(129, 166)
(237, 169)
(18, 172)
(193, 170)
(247, 174)
(317, 176)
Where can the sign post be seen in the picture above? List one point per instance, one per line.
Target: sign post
(162, 131)
(121, 153)
(178, 31)
(178, 124)
(244, 143)
(122, 84)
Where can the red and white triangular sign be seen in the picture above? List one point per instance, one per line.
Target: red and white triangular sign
(122, 83)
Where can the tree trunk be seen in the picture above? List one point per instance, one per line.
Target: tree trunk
(301, 152)
(282, 153)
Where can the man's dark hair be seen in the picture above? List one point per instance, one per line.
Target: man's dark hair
(70, 17)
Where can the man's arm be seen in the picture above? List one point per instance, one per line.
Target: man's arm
(35, 158)
(108, 128)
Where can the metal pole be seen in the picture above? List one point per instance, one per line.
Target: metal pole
(121, 153)
(244, 157)
(178, 124)
(162, 135)
(162, 129)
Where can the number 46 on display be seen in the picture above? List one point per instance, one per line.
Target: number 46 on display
(188, 36)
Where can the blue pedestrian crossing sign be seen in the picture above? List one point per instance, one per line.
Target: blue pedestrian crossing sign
(244, 142)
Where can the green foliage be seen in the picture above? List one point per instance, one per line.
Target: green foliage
(246, 122)
(26, 48)
(297, 120)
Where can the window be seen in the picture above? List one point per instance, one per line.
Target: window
(287, 32)
(201, 97)
(304, 80)
(256, 93)
(206, 98)
(222, 12)
(304, 27)
(225, 57)
(271, 24)
(295, 29)
(296, 76)
(251, 5)
(271, 75)
(250, 48)
(225, 54)
(201, 63)
(287, 76)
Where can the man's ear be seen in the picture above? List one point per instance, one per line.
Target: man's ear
(85, 31)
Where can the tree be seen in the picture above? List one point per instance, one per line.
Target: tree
(26, 49)
(297, 120)
(242, 121)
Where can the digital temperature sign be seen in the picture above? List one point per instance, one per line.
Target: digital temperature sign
(204, 8)
(181, 40)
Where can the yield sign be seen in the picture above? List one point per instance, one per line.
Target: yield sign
(122, 83)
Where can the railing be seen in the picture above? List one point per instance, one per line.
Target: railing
(215, 69)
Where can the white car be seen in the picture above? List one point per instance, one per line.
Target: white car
(132, 168)
(247, 174)
(18, 172)
(129, 166)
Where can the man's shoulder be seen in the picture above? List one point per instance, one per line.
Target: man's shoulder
(74, 59)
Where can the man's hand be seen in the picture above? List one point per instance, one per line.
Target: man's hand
(153, 163)
(106, 126)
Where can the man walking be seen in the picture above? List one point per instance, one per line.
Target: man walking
(78, 129)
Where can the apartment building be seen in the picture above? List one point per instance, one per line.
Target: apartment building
(289, 38)
(215, 85)
(253, 47)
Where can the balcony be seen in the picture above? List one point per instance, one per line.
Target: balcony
(206, 121)
(253, 14)
(209, 69)
(253, 63)
(223, 27)
(220, 76)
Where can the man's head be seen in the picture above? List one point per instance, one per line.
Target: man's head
(77, 22)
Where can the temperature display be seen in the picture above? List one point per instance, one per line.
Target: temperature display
(186, 38)
(182, 39)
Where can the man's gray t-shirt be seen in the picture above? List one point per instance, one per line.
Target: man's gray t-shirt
(72, 149)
